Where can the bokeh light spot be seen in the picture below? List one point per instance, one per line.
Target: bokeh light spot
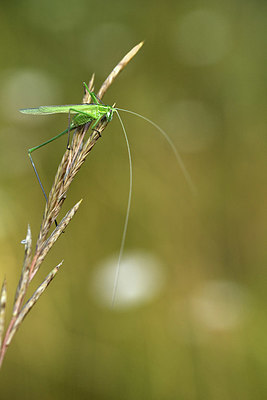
(141, 279)
(202, 37)
(219, 305)
(56, 16)
(24, 88)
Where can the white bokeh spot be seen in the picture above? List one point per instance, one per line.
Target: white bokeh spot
(141, 279)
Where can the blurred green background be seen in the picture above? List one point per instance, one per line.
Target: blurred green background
(190, 318)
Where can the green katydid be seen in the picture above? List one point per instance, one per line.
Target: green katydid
(93, 113)
(83, 114)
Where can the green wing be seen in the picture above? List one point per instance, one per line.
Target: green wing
(90, 111)
(42, 110)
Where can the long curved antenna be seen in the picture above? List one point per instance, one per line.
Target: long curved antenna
(177, 155)
(127, 212)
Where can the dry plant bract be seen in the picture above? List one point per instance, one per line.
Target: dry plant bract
(71, 162)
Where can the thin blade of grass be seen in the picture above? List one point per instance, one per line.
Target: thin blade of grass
(54, 236)
(3, 297)
(119, 67)
(32, 301)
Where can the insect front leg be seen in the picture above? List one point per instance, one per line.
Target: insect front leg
(95, 124)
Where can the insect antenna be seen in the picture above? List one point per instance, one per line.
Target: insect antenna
(127, 212)
(172, 145)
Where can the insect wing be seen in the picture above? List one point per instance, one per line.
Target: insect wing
(42, 110)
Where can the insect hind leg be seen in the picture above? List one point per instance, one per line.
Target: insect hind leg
(30, 151)
(37, 175)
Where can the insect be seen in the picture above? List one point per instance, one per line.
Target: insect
(94, 112)
(83, 114)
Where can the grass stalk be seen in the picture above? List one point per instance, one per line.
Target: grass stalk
(68, 168)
